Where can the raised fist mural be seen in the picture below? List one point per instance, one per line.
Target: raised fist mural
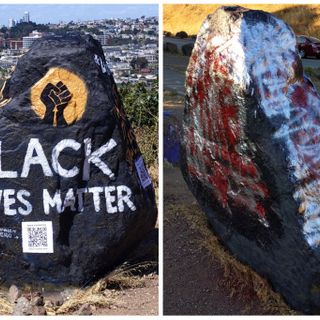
(56, 98)
(59, 98)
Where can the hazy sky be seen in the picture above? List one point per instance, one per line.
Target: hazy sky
(43, 13)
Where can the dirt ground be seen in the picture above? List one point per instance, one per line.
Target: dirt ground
(200, 276)
(136, 301)
(128, 290)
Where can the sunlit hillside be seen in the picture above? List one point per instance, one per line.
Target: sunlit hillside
(304, 19)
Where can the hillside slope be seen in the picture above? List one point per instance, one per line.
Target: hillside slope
(304, 19)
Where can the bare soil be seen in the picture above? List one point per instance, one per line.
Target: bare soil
(128, 295)
(135, 301)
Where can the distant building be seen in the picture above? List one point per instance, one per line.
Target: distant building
(14, 44)
(103, 39)
(26, 17)
(33, 36)
(151, 56)
(11, 23)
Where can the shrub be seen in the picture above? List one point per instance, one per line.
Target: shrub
(140, 104)
(148, 141)
(182, 35)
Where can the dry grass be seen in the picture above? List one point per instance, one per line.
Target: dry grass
(304, 19)
(237, 276)
(82, 297)
(6, 307)
(104, 293)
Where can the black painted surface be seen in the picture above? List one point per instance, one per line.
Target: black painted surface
(88, 243)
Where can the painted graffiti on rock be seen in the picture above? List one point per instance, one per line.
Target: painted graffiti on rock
(287, 94)
(251, 148)
(112, 198)
(215, 141)
(218, 152)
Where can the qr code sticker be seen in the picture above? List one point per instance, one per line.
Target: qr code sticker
(37, 237)
(142, 173)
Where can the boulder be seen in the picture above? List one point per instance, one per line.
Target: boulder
(13, 294)
(251, 145)
(75, 196)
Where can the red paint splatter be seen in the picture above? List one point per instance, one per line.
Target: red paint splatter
(192, 145)
(225, 167)
(193, 171)
(299, 96)
(261, 211)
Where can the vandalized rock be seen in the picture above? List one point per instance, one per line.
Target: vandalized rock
(75, 196)
(250, 148)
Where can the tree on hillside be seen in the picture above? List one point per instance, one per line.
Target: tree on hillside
(23, 29)
(181, 35)
(139, 63)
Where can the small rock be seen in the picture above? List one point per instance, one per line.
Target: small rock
(13, 294)
(59, 302)
(23, 307)
(39, 311)
(66, 294)
(84, 310)
(49, 303)
(37, 301)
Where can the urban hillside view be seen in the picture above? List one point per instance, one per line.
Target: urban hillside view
(130, 45)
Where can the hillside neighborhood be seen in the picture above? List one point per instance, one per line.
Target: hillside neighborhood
(130, 45)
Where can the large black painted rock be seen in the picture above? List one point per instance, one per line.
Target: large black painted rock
(250, 148)
(75, 196)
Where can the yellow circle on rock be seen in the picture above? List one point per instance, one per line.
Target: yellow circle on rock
(63, 89)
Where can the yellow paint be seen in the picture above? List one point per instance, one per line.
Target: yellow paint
(77, 87)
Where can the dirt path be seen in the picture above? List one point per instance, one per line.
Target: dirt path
(135, 301)
(200, 277)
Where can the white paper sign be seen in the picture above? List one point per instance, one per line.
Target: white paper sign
(37, 237)
(142, 172)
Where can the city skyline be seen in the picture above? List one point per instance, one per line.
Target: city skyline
(42, 13)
